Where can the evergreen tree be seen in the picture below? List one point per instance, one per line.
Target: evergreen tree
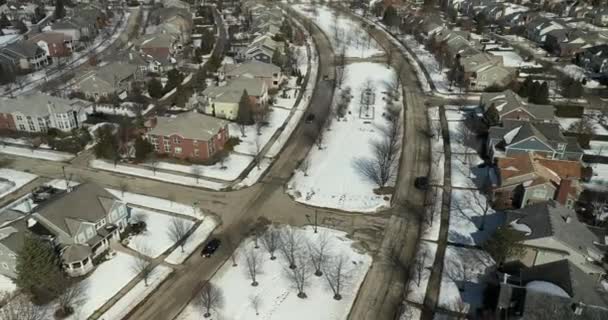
(174, 79)
(533, 91)
(391, 18)
(59, 9)
(38, 269)
(107, 144)
(142, 149)
(277, 58)
(491, 117)
(155, 88)
(503, 244)
(4, 22)
(543, 94)
(524, 90)
(245, 114)
(199, 82)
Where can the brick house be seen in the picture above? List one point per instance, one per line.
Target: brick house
(193, 136)
(7, 123)
(54, 44)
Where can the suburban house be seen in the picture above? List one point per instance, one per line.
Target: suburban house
(559, 290)
(525, 179)
(56, 45)
(261, 49)
(25, 55)
(191, 135)
(39, 112)
(223, 101)
(594, 59)
(520, 137)
(266, 72)
(485, 70)
(174, 21)
(70, 29)
(600, 17)
(113, 78)
(84, 221)
(511, 106)
(159, 51)
(551, 232)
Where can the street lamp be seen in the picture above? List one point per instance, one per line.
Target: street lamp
(315, 222)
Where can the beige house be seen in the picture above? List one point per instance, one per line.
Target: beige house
(552, 232)
(223, 101)
(267, 72)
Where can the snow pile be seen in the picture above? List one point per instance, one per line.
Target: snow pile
(14, 180)
(348, 140)
(437, 73)
(155, 239)
(37, 153)
(278, 297)
(343, 33)
(7, 285)
(462, 280)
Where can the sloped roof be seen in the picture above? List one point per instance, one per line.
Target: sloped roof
(190, 125)
(254, 67)
(36, 104)
(87, 202)
(23, 49)
(507, 101)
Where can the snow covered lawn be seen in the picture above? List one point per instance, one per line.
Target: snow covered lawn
(597, 148)
(343, 33)
(278, 298)
(14, 180)
(7, 285)
(331, 179)
(155, 240)
(36, 153)
(425, 257)
(466, 172)
(599, 181)
(514, 60)
(200, 234)
(578, 73)
(437, 152)
(158, 203)
(431, 230)
(462, 283)
(462, 139)
(429, 63)
(231, 168)
(472, 220)
(594, 119)
(161, 176)
(248, 146)
(137, 294)
(103, 283)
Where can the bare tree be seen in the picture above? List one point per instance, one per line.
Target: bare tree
(466, 136)
(71, 294)
(197, 171)
(21, 308)
(123, 187)
(210, 298)
(140, 264)
(271, 240)
(420, 263)
(256, 303)
(232, 247)
(318, 252)
(299, 276)
(290, 245)
(337, 275)
(254, 264)
(177, 231)
(154, 164)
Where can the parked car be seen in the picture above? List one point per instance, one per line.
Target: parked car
(421, 183)
(310, 118)
(211, 247)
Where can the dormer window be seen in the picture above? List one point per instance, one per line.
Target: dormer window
(100, 224)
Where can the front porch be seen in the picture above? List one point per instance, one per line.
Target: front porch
(78, 258)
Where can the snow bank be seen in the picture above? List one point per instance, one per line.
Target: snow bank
(37, 153)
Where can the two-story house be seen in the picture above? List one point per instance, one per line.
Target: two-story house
(223, 101)
(112, 79)
(266, 72)
(550, 232)
(25, 55)
(39, 112)
(521, 137)
(511, 106)
(56, 45)
(192, 136)
(261, 49)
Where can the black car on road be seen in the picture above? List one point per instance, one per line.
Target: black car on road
(211, 247)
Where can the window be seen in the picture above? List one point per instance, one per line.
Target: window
(176, 140)
(167, 146)
(21, 127)
(539, 193)
(19, 118)
(195, 143)
(196, 152)
(178, 150)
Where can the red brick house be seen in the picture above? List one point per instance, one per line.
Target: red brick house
(55, 44)
(190, 135)
(7, 123)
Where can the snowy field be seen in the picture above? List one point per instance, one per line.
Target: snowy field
(7, 285)
(250, 142)
(462, 282)
(200, 234)
(599, 181)
(514, 60)
(155, 239)
(597, 148)
(331, 179)
(36, 153)
(278, 298)
(578, 73)
(425, 257)
(466, 172)
(16, 180)
(431, 229)
(161, 176)
(103, 283)
(158, 203)
(472, 220)
(594, 119)
(229, 170)
(137, 294)
(343, 33)
(462, 140)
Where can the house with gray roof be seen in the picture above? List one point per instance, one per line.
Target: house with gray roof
(551, 232)
(557, 290)
(38, 112)
(266, 72)
(192, 136)
(13, 230)
(25, 55)
(114, 78)
(223, 101)
(261, 49)
(545, 139)
(84, 220)
(511, 106)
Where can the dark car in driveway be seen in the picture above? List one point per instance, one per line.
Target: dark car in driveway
(211, 247)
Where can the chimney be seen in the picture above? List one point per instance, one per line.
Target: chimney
(563, 191)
